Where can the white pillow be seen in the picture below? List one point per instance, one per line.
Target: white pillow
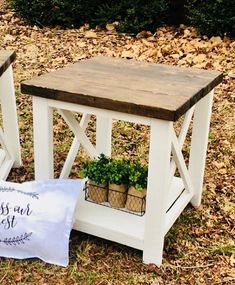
(36, 219)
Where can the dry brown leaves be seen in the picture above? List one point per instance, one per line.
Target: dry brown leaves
(199, 249)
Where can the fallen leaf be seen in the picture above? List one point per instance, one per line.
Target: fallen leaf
(216, 41)
(90, 34)
(144, 34)
(110, 27)
(8, 38)
(231, 74)
(199, 58)
(127, 54)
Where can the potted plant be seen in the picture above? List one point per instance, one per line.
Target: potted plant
(118, 179)
(96, 172)
(137, 187)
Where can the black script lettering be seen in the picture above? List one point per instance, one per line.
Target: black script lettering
(23, 211)
(4, 209)
(8, 222)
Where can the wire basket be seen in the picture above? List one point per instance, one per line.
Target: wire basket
(121, 201)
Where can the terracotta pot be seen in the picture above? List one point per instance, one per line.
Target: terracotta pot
(97, 192)
(117, 195)
(135, 200)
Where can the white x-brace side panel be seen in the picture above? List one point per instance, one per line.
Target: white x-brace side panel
(182, 137)
(177, 161)
(9, 135)
(78, 132)
(103, 138)
(103, 129)
(180, 163)
(74, 148)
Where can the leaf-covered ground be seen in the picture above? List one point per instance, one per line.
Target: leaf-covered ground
(200, 248)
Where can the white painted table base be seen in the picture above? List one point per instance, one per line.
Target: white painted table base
(165, 199)
(10, 155)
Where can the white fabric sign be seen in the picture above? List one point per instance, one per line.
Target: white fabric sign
(36, 219)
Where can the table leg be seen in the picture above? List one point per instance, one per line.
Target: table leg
(9, 115)
(43, 139)
(157, 192)
(104, 135)
(201, 124)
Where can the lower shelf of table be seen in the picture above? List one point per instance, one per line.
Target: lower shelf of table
(124, 228)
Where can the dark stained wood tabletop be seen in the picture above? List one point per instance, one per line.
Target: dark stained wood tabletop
(6, 59)
(129, 86)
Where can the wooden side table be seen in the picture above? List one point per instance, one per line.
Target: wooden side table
(10, 155)
(145, 93)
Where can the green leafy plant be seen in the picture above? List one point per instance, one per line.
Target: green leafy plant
(96, 170)
(56, 12)
(212, 17)
(133, 15)
(118, 171)
(138, 174)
